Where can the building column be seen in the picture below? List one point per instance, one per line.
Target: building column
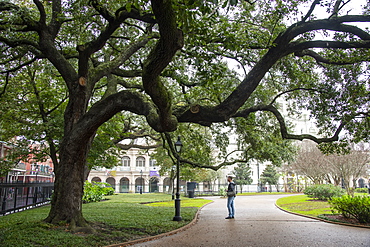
(160, 184)
(117, 185)
(132, 184)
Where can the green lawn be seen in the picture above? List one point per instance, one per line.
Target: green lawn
(302, 204)
(121, 218)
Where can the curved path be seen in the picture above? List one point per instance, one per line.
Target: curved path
(259, 223)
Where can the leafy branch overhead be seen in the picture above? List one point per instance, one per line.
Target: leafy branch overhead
(95, 65)
(161, 115)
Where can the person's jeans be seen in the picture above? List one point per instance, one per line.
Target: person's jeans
(230, 205)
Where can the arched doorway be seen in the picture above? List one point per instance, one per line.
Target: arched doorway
(139, 184)
(167, 185)
(112, 182)
(124, 185)
(95, 179)
(153, 184)
(361, 183)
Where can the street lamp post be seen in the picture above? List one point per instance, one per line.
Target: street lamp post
(258, 178)
(173, 181)
(141, 181)
(178, 147)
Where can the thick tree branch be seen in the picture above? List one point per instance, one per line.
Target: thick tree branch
(127, 73)
(42, 12)
(105, 109)
(5, 86)
(320, 59)
(136, 14)
(106, 68)
(171, 40)
(48, 49)
(128, 85)
(338, 7)
(18, 42)
(206, 115)
(142, 147)
(292, 90)
(313, 5)
(141, 133)
(102, 11)
(113, 25)
(56, 18)
(297, 47)
(46, 42)
(283, 127)
(334, 24)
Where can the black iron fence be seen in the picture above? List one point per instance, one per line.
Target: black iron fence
(16, 197)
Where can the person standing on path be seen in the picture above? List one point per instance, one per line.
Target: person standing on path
(231, 193)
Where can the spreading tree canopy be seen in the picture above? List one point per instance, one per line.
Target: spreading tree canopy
(168, 61)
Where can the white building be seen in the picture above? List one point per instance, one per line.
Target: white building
(136, 172)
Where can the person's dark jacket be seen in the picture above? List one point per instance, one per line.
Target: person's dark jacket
(231, 187)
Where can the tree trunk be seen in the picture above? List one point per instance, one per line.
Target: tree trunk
(66, 205)
(70, 172)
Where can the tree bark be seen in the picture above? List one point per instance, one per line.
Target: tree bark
(66, 205)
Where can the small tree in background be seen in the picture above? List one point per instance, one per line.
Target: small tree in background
(270, 176)
(242, 175)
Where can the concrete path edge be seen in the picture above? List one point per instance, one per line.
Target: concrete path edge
(142, 240)
(327, 221)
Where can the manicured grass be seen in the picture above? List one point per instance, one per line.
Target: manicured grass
(121, 218)
(302, 204)
(184, 203)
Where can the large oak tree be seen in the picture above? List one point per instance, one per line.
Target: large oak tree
(166, 60)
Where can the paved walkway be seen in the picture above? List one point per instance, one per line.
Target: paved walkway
(259, 223)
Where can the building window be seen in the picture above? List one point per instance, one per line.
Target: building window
(152, 163)
(126, 161)
(140, 161)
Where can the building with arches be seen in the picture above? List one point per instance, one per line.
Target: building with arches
(137, 172)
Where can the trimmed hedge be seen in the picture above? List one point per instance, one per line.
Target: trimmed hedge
(324, 191)
(357, 207)
(361, 190)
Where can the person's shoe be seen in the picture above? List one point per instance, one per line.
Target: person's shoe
(228, 217)
(232, 217)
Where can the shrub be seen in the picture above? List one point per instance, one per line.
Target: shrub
(324, 191)
(222, 191)
(357, 207)
(95, 192)
(361, 190)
